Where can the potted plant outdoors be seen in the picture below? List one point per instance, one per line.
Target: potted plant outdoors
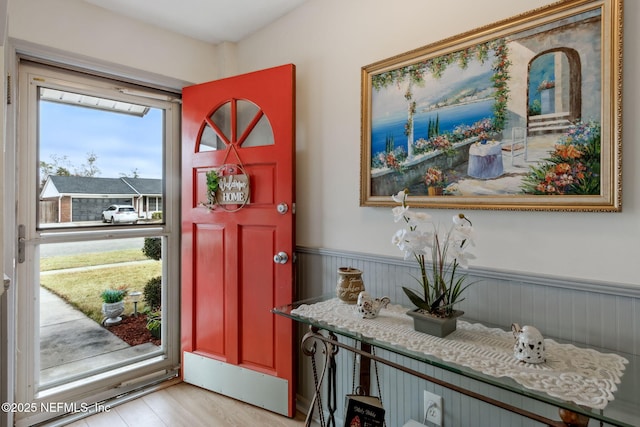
(434, 178)
(440, 286)
(112, 305)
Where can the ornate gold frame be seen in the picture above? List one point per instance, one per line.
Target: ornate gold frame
(566, 38)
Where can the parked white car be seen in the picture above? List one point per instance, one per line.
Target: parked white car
(120, 213)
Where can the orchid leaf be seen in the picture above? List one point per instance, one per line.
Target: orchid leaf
(416, 299)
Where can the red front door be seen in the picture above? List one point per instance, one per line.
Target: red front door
(231, 342)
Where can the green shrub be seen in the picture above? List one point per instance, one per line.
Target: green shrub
(154, 323)
(156, 215)
(152, 247)
(535, 109)
(153, 292)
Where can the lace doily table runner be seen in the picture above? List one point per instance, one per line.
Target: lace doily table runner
(583, 376)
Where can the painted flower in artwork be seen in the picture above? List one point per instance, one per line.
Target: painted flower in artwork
(572, 168)
(434, 177)
(546, 84)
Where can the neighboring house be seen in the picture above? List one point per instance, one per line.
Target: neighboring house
(80, 198)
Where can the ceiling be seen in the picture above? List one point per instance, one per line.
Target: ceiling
(213, 21)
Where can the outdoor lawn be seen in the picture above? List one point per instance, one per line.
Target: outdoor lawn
(105, 270)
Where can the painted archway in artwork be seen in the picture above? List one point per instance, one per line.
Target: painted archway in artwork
(555, 86)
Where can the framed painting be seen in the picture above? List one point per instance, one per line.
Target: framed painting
(522, 114)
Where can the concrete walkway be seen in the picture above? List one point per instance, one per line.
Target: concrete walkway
(71, 344)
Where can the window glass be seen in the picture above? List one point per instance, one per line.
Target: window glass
(79, 335)
(94, 153)
(222, 120)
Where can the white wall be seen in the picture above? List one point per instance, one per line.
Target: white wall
(83, 29)
(330, 40)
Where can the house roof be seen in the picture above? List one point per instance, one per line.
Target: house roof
(145, 185)
(62, 185)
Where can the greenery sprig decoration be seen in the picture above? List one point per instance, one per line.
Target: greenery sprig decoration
(212, 185)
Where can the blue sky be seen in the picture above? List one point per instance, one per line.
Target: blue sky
(121, 142)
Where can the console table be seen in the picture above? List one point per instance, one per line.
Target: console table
(324, 332)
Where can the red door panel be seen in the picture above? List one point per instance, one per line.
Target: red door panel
(257, 343)
(208, 300)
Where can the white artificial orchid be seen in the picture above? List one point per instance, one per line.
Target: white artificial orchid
(400, 197)
(398, 238)
(416, 218)
(444, 251)
(399, 212)
(461, 256)
(418, 242)
(460, 219)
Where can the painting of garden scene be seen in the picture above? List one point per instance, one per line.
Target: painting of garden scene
(518, 115)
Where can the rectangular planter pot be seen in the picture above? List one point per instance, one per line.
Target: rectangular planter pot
(433, 325)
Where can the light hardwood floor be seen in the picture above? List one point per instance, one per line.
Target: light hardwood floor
(189, 406)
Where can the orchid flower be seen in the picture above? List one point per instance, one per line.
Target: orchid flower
(416, 218)
(444, 251)
(399, 212)
(400, 197)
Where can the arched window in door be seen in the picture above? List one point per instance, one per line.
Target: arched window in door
(237, 121)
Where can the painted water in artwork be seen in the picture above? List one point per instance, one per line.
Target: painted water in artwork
(448, 118)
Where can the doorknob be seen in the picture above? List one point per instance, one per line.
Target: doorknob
(282, 208)
(281, 258)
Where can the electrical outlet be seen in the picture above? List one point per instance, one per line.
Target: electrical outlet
(433, 408)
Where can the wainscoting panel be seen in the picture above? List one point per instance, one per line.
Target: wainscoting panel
(599, 314)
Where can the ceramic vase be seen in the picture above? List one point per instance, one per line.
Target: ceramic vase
(349, 285)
